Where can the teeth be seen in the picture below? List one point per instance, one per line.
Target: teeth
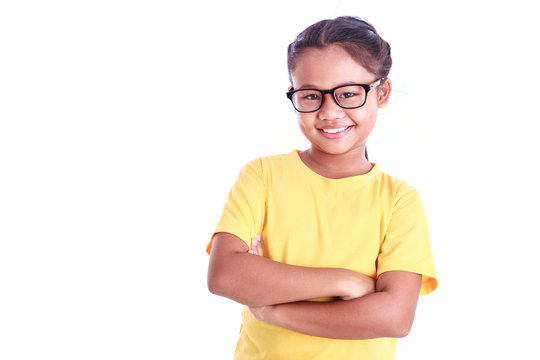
(334, 131)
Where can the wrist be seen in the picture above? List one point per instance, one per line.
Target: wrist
(264, 313)
(354, 285)
(274, 314)
(347, 284)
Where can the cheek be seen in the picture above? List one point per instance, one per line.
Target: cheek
(371, 101)
(363, 115)
(367, 113)
(305, 122)
(303, 128)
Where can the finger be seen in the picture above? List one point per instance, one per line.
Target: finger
(253, 244)
(253, 250)
(259, 246)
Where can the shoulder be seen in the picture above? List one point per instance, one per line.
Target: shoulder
(266, 169)
(266, 165)
(397, 190)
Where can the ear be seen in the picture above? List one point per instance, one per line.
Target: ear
(290, 88)
(383, 93)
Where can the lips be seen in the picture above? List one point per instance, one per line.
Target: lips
(333, 131)
(337, 132)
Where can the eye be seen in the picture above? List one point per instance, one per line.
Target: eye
(311, 96)
(347, 95)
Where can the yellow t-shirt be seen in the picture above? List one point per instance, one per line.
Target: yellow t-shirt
(370, 223)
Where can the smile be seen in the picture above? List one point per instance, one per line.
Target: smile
(335, 133)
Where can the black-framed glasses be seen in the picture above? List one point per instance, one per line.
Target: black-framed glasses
(346, 96)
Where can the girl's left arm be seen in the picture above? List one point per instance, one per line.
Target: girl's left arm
(388, 312)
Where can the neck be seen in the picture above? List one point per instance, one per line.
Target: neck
(337, 166)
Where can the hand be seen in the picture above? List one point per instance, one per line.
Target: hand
(356, 285)
(256, 246)
(262, 313)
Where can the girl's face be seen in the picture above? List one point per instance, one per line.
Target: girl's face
(325, 69)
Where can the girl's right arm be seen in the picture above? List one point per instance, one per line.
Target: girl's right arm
(254, 280)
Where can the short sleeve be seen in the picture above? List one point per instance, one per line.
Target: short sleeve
(244, 212)
(406, 244)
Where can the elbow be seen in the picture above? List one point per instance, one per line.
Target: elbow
(401, 326)
(215, 284)
(223, 284)
(215, 279)
(223, 279)
(398, 318)
(389, 325)
(393, 321)
(218, 278)
(402, 331)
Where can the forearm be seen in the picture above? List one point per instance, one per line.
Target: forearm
(257, 281)
(362, 318)
(389, 312)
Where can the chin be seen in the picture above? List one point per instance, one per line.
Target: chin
(336, 150)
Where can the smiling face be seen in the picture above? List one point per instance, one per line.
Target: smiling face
(332, 129)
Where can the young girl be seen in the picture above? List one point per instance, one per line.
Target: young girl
(328, 253)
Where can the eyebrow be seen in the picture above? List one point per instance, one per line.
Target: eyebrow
(310, 86)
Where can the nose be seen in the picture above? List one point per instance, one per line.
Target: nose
(330, 109)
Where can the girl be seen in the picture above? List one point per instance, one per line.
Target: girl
(343, 251)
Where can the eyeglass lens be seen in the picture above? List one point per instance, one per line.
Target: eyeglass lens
(349, 96)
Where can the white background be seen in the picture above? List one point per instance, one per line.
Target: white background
(123, 125)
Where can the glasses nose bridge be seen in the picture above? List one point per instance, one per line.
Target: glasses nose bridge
(332, 95)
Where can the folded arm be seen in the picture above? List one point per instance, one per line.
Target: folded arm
(254, 280)
(389, 312)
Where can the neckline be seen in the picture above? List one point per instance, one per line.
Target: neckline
(341, 182)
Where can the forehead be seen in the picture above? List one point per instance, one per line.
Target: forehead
(328, 67)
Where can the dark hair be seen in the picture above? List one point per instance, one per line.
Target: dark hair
(356, 36)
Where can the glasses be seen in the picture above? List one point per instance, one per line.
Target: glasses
(346, 96)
